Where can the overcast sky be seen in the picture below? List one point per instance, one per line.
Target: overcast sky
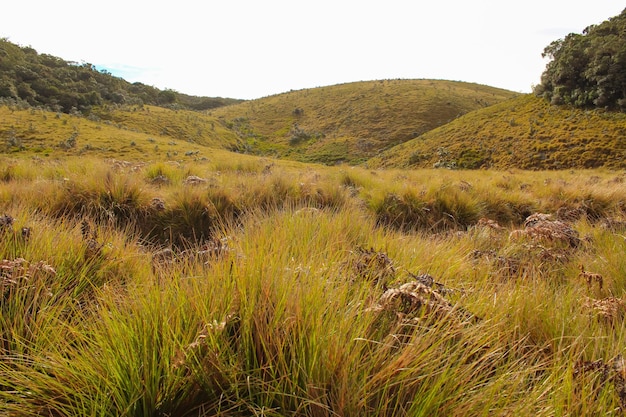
(249, 49)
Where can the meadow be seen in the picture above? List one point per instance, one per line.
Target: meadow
(233, 286)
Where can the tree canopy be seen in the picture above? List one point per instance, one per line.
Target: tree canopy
(589, 69)
(47, 81)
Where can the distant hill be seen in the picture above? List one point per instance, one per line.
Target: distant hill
(381, 124)
(120, 132)
(43, 80)
(352, 122)
(525, 132)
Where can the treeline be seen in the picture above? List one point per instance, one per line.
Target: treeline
(43, 80)
(588, 70)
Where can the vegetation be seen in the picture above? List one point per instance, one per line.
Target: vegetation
(42, 80)
(244, 286)
(129, 132)
(587, 70)
(352, 122)
(525, 132)
(387, 123)
(149, 267)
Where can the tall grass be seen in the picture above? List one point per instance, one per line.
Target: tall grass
(272, 302)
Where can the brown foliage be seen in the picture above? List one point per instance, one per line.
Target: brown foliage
(613, 372)
(591, 277)
(609, 309)
(18, 272)
(540, 227)
(371, 265)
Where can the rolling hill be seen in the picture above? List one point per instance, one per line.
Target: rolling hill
(58, 107)
(352, 122)
(525, 132)
(133, 133)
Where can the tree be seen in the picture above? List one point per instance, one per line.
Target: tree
(167, 96)
(588, 69)
(48, 81)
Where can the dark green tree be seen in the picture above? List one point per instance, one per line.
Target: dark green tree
(589, 69)
(51, 82)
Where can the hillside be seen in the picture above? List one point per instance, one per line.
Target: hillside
(44, 80)
(134, 133)
(352, 122)
(526, 132)
(383, 124)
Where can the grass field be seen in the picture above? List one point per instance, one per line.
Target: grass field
(236, 286)
(525, 132)
(354, 121)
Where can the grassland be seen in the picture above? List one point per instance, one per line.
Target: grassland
(125, 132)
(234, 286)
(382, 124)
(145, 269)
(525, 132)
(352, 122)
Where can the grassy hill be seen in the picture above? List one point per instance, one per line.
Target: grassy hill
(385, 124)
(525, 132)
(339, 124)
(352, 122)
(133, 132)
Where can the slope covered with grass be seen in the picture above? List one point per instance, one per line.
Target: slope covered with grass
(132, 132)
(525, 132)
(352, 122)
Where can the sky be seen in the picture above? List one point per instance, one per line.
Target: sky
(249, 49)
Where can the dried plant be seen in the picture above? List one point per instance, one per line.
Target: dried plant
(590, 277)
(540, 227)
(612, 372)
(372, 266)
(415, 300)
(609, 309)
(18, 272)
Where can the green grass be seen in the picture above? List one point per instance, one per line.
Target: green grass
(130, 133)
(352, 122)
(377, 124)
(525, 132)
(272, 303)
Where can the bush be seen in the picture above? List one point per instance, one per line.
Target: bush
(587, 70)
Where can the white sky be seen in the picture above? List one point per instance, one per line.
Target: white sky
(252, 48)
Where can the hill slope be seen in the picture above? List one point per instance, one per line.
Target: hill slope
(135, 133)
(526, 132)
(44, 80)
(352, 122)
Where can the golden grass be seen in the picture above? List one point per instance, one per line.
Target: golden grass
(133, 133)
(301, 290)
(352, 122)
(525, 132)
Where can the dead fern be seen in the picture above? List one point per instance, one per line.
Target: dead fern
(540, 227)
(371, 266)
(609, 309)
